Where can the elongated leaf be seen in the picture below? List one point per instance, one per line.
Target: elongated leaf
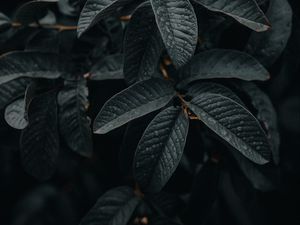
(160, 149)
(221, 63)
(96, 10)
(31, 64)
(40, 139)
(108, 68)
(177, 24)
(115, 207)
(245, 12)
(266, 114)
(234, 123)
(135, 101)
(142, 45)
(267, 46)
(209, 87)
(15, 114)
(74, 123)
(12, 90)
(134, 132)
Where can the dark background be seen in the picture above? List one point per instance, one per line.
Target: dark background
(78, 182)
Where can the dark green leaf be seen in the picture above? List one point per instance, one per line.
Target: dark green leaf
(209, 87)
(46, 40)
(40, 139)
(5, 22)
(134, 132)
(31, 64)
(266, 114)
(74, 123)
(260, 177)
(177, 24)
(234, 123)
(135, 101)
(246, 12)
(69, 7)
(15, 114)
(12, 90)
(108, 68)
(96, 10)
(160, 149)
(32, 11)
(142, 45)
(221, 63)
(115, 207)
(267, 46)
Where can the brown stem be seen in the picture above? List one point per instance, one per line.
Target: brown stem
(125, 18)
(59, 27)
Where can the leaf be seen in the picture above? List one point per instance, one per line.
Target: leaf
(266, 47)
(15, 114)
(40, 139)
(69, 7)
(200, 87)
(234, 123)
(160, 149)
(32, 11)
(261, 178)
(135, 101)
(31, 64)
(108, 68)
(115, 207)
(177, 24)
(74, 123)
(131, 138)
(266, 114)
(45, 40)
(221, 63)
(246, 12)
(12, 90)
(142, 45)
(96, 10)
(5, 22)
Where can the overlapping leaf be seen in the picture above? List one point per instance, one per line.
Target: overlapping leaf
(115, 207)
(108, 68)
(12, 90)
(209, 87)
(246, 12)
(95, 10)
(177, 24)
(31, 64)
(221, 63)
(32, 11)
(74, 123)
(262, 178)
(160, 149)
(234, 123)
(15, 114)
(266, 114)
(133, 102)
(40, 139)
(142, 45)
(267, 46)
(4, 22)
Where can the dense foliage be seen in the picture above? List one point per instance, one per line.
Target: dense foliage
(149, 112)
